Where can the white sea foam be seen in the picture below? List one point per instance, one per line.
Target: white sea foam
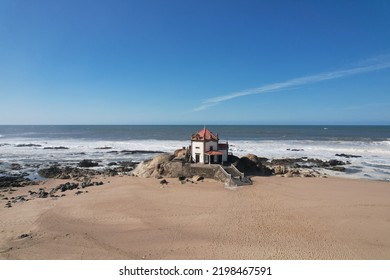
(374, 162)
(80, 149)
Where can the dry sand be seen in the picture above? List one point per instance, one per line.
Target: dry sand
(134, 218)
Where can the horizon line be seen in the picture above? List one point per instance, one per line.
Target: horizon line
(214, 124)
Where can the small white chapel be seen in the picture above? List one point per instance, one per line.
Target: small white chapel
(205, 148)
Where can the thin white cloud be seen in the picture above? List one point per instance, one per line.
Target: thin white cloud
(293, 83)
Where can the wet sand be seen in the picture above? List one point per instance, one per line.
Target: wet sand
(135, 218)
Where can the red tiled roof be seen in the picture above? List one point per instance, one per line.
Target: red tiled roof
(205, 135)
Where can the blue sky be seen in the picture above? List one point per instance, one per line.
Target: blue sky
(194, 62)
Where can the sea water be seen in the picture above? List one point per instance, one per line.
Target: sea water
(44, 145)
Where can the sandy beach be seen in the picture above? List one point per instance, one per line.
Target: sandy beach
(135, 218)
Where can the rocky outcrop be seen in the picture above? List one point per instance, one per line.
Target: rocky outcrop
(304, 167)
(131, 152)
(50, 172)
(68, 172)
(53, 193)
(174, 166)
(347, 156)
(161, 165)
(56, 148)
(87, 163)
(15, 166)
(280, 169)
(180, 154)
(252, 165)
(28, 145)
(14, 181)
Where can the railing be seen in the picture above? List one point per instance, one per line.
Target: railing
(238, 171)
(227, 175)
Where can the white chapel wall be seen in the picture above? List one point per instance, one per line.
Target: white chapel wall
(198, 148)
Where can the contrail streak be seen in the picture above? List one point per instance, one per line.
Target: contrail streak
(292, 83)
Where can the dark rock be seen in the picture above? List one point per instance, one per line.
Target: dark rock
(77, 173)
(347, 156)
(112, 163)
(334, 162)
(262, 160)
(233, 158)
(67, 186)
(285, 161)
(56, 148)
(13, 181)
(16, 166)
(182, 178)
(51, 172)
(103, 148)
(128, 163)
(337, 168)
(86, 184)
(140, 152)
(290, 166)
(87, 163)
(200, 178)
(43, 194)
(252, 166)
(121, 167)
(304, 162)
(25, 235)
(20, 198)
(64, 176)
(27, 145)
(78, 192)
(163, 182)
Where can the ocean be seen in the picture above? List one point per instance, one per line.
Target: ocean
(44, 145)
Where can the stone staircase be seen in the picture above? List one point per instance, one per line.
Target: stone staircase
(230, 175)
(236, 178)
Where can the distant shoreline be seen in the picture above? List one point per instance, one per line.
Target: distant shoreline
(68, 145)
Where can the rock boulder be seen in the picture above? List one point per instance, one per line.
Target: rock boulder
(251, 165)
(87, 163)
